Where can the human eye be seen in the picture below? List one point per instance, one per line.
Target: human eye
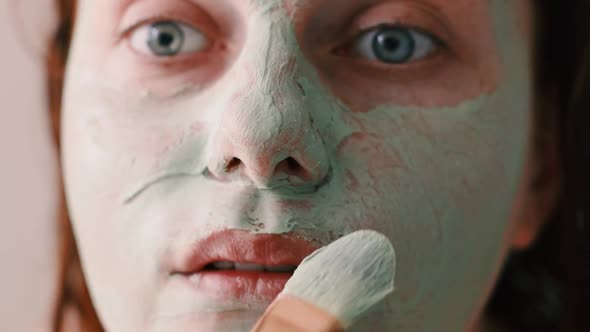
(167, 38)
(394, 44)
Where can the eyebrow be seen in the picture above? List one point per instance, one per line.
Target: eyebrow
(124, 4)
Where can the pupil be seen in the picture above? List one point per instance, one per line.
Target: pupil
(393, 45)
(165, 39)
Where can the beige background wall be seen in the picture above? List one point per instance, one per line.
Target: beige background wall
(27, 165)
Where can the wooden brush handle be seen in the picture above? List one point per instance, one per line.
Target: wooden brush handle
(290, 314)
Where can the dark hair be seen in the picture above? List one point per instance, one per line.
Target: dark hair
(543, 288)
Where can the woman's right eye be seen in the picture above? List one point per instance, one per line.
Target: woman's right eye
(167, 39)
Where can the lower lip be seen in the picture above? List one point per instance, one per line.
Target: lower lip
(242, 286)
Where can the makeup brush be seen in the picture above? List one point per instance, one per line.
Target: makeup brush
(334, 286)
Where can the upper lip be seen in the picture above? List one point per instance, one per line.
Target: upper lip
(243, 247)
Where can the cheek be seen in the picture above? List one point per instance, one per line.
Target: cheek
(436, 181)
(380, 160)
(110, 143)
(124, 138)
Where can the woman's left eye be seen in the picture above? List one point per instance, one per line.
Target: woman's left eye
(167, 39)
(395, 44)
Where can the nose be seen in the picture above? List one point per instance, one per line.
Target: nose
(265, 134)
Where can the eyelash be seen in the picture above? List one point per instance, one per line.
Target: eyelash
(142, 43)
(350, 49)
(419, 37)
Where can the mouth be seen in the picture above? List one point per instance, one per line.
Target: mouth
(248, 267)
(239, 266)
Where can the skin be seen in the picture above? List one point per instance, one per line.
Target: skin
(436, 154)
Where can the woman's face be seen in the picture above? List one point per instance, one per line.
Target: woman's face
(210, 145)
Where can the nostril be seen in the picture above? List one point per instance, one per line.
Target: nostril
(232, 165)
(292, 164)
(260, 173)
(292, 167)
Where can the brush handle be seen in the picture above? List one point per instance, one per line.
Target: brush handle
(290, 314)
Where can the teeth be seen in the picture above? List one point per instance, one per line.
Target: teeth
(224, 265)
(248, 267)
(280, 268)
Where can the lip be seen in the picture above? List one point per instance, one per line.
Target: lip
(239, 246)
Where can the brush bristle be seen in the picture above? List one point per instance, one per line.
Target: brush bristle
(347, 277)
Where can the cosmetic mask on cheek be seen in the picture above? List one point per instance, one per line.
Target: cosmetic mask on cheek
(269, 148)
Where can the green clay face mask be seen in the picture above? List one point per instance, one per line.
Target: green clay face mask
(255, 133)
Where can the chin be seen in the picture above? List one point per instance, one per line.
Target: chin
(242, 320)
